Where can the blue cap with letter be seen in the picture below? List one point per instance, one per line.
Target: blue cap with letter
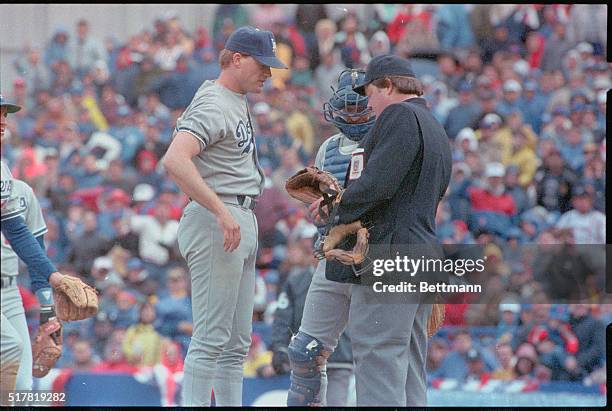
(259, 44)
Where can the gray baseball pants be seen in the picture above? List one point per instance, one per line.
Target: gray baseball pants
(222, 290)
(389, 341)
(16, 325)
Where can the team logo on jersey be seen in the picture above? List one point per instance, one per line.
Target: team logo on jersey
(6, 186)
(244, 135)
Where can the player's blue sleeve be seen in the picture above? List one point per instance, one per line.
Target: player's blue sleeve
(39, 282)
(41, 241)
(28, 249)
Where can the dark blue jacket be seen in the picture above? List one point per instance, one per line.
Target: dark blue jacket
(407, 171)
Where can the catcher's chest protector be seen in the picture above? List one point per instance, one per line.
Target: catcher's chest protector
(335, 162)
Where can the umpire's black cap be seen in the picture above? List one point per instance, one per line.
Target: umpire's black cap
(382, 66)
(10, 108)
(259, 44)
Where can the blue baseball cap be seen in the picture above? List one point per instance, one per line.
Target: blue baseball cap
(134, 263)
(259, 44)
(10, 108)
(465, 86)
(580, 190)
(382, 66)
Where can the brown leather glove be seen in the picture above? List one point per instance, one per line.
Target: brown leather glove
(436, 318)
(74, 300)
(310, 184)
(339, 233)
(47, 347)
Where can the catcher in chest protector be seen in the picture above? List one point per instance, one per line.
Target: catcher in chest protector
(23, 230)
(394, 181)
(320, 188)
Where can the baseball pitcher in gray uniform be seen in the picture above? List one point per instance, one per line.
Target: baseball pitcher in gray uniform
(213, 159)
(349, 112)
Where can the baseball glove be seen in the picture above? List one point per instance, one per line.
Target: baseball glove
(327, 249)
(311, 184)
(436, 318)
(74, 300)
(47, 348)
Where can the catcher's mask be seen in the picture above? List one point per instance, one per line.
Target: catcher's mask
(348, 110)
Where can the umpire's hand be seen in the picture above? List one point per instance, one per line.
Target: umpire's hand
(280, 362)
(231, 230)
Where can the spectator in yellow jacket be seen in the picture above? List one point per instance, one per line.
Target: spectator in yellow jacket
(259, 360)
(524, 157)
(299, 125)
(142, 344)
(514, 123)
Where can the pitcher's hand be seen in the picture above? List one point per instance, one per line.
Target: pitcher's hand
(230, 229)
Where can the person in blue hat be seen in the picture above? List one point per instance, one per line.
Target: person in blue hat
(213, 159)
(465, 113)
(533, 104)
(588, 225)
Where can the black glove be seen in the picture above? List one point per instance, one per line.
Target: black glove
(280, 362)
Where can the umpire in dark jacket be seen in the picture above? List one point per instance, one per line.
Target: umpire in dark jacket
(287, 320)
(394, 185)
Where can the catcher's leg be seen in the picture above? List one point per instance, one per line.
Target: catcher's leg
(416, 383)
(10, 354)
(325, 317)
(307, 356)
(12, 307)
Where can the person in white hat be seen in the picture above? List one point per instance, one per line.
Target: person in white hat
(511, 99)
(492, 196)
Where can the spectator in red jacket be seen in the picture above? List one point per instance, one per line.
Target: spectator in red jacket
(405, 15)
(114, 360)
(493, 196)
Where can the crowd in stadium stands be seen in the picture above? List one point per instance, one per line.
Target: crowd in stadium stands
(520, 89)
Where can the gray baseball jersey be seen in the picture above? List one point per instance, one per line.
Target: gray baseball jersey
(15, 335)
(25, 204)
(220, 120)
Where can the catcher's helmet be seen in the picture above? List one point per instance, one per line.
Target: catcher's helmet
(348, 110)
